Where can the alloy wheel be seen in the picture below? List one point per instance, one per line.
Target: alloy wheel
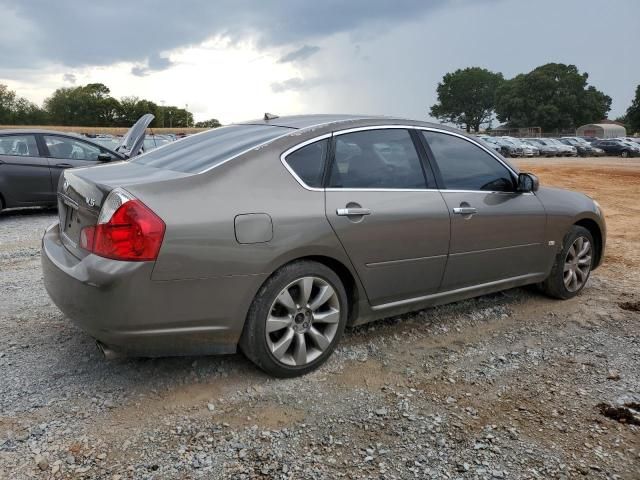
(303, 321)
(577, 264)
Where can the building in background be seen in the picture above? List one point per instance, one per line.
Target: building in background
(607, 129)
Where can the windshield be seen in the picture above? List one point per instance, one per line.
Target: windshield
(197, 153)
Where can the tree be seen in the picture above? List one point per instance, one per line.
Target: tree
(633, 113)
(553, 96)
(467, 97)
(130, 109)
(176, 117)
(89, 105)
(211, 123)
(7, 99)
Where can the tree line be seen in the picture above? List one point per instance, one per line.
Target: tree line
(91, 105)
(554, 97)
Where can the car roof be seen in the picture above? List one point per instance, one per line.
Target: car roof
(339, 120)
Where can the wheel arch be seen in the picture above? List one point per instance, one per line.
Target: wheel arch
(596, 233)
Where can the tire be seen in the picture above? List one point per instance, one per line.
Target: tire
(624, 154)
(303, 328)
(572, 266)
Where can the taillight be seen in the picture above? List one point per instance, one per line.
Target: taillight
(127, 230)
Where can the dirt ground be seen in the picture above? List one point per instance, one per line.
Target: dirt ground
(504, 386)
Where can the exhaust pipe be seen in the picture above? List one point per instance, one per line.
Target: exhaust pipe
(108, 353)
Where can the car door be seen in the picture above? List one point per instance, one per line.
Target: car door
(68, 152)
(497, 233)
(382, 204)
(24, 174)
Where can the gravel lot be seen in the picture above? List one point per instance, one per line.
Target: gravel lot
(510, 385)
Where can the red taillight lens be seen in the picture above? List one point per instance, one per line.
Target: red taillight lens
(133, 233)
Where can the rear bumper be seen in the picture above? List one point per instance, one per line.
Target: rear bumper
(118, 304)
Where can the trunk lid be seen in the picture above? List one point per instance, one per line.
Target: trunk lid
(132, 141)
(82, 191)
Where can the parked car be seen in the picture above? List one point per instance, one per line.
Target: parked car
(275, 234)
(613, 146)
(109, 141)
(564, 149)
(31, 161)
(547, 149)
(151, 142)
(534, 148)
(523, 147)
(583, 147)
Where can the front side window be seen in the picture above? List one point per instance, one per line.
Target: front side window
(465, 166)
(19, 145)
(70, 149)
(308, 162)
(384, 158)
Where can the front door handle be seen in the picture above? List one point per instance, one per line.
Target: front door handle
(64, 165)
(465, 210)
(347, 212)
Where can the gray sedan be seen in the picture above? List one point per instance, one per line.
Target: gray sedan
(273, 235)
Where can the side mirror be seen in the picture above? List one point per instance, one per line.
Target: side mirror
(528, 182)
(104, 157)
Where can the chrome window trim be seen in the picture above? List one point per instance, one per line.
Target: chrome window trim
(386, 127)
(283, 159)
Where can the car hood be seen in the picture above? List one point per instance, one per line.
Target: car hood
(131, 143)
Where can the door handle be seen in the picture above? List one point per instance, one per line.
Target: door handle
(465, 210)
(347, 212)
(64, 165)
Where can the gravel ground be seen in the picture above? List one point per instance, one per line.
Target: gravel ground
(512, 385)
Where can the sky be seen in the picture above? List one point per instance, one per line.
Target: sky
(236, 59)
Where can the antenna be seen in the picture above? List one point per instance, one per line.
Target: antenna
(269, 116)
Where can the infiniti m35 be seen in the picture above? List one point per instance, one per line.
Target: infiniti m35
(273, 235)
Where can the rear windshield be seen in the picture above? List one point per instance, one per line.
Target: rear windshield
(199, 152)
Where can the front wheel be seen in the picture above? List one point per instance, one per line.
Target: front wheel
(295, 320)
(572, 266)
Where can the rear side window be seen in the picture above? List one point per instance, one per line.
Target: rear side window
(465, 166)
(19, 146)
(197, 153)
(376, 159)
(308, 162)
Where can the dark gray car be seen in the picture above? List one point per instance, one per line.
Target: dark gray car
(275, 234)
(31, 161)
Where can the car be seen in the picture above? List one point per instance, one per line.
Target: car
(32, 161)
(613, 146)
(535, 149)
(564, 149)
(546, 148)
(583, 148)
(152, 142)
(273, 235)
(527, 151)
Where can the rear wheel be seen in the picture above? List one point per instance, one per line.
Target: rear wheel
(573, 265)
(296, 319)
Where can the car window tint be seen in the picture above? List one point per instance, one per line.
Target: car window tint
(70, 149)
(465, 166)
(197, 153)
(308, 162)
(383, 158)
(19, 145)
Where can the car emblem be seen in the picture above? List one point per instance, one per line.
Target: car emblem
(90, 201)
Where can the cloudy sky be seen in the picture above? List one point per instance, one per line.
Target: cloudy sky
(235, 59)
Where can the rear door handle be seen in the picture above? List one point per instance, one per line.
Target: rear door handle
(346, 212)
(465, 210)
(64, 165)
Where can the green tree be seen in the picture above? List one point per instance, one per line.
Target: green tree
(211, 123)
(7, 100)
(130, 109)
(467, 97)
(553, 96)
(175, 117)
(89, 105)
(633, 113)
